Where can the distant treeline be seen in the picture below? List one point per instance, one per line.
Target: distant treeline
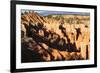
(70, 20)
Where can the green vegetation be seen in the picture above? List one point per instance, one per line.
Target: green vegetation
(70, 20)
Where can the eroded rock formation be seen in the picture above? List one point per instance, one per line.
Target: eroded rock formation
(53, 39)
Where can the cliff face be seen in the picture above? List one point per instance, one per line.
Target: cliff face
(54, 37)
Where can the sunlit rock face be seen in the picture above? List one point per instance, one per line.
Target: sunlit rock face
(54, 37)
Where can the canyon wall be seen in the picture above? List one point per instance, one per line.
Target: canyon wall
(54, 37)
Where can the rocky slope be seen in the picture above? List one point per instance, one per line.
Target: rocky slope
(54, 37)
